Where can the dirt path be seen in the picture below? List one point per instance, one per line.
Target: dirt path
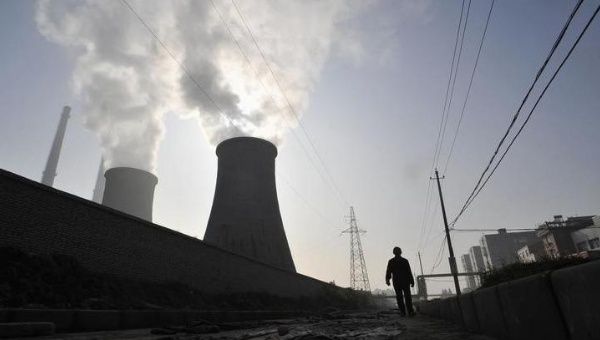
(367, 325)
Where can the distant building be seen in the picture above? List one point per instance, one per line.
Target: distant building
(477, 259)
(532, 252)
(446, 293)
(588, 238)
(468, 268)
(556, 234)
(477, 262)
(501, 249)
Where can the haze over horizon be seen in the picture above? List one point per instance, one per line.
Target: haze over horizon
(371, 106)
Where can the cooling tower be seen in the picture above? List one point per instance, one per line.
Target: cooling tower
(130, 191)
(245, 216)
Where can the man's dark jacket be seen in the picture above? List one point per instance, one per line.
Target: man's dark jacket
(399, 269)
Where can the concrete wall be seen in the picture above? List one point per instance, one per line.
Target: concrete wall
(557, 305)
(40, 219)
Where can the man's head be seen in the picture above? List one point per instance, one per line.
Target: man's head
(397, 251)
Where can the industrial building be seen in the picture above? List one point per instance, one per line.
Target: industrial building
(52, 163)
(468, 268)
(588, 238)
(556, 234)
(130, 190)
(98, 192)
(477, 258)
(532, 252)
(501, 249)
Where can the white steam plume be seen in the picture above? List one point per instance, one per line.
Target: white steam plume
(127, 81)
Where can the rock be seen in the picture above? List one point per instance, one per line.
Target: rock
(163, 331)
(202, 329)
(200, 322)
(283, 330)
(23, 329)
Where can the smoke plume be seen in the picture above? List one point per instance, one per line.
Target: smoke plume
(127, 81)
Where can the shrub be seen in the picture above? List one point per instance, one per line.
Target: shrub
(519, 270)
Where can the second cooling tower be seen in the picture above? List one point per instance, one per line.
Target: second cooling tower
(130, 191)
(245, 216)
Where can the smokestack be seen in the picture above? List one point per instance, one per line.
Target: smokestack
(100, 183)
(245, 216)
(130, 191)
(52, 162)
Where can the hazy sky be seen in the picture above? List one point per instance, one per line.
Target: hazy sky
(373, 114)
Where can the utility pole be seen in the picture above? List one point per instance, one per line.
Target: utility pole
(452, 259)
(420, 263)
(421, 285)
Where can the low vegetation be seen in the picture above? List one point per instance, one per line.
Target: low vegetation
(59, 281)
(519, 270)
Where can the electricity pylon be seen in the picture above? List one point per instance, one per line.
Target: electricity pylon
(359, 279)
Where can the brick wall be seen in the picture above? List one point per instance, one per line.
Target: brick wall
(41, 219)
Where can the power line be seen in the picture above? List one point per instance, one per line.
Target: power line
(440, 255)
(181, 65)
(256, 75)
(189, 75)
(250, 65)
(291, 108)
(305, 201)
(516, 229)
(541, 95)
(428, 238)
(434, 238)
(536, 104)
(462, 112)
(517, 113)
(438, 142)
(423, 220)
(448, 108)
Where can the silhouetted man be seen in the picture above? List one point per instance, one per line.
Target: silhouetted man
(399, 270)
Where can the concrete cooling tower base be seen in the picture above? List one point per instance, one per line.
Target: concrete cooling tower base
(245, 217)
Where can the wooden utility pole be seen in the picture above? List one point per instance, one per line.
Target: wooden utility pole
(452, 259)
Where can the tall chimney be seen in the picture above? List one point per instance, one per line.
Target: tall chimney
(100, 183)
(130, 191)
(52, 162)
(245, 216)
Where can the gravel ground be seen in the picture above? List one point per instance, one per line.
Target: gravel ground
(337, 325)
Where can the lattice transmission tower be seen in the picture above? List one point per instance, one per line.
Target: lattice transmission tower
(359, 279)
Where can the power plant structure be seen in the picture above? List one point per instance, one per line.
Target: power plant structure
(130, 190)
(52, 163)
(245, 217)
(359, 278)
(100, 183)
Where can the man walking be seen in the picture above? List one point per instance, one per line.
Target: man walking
(398, 269)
